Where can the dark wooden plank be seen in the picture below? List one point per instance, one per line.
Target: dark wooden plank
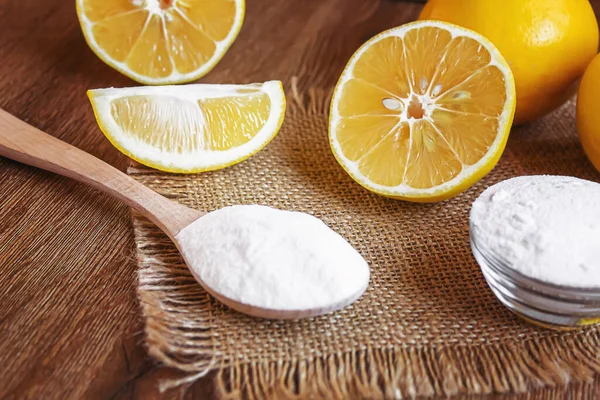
(68, 315)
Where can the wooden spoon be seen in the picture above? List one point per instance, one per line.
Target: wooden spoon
(26, 144)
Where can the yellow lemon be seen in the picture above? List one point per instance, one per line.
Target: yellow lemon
(158, 42)
(422, 111)
(190, 128)
(588, 115)
(547, 43)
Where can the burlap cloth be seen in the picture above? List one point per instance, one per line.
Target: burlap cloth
(428, 324)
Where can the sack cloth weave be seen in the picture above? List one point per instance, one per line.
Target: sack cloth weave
(428, 325)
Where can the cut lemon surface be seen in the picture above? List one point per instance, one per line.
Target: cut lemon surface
(190, 128)
(422, 111)
(161, 41)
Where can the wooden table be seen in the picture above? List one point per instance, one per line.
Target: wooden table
(69, 322)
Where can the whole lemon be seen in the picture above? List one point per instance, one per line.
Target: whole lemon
(547, 43)
(588, 113)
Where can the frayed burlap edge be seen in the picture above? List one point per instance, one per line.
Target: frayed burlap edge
(188, 344)
(410, 373)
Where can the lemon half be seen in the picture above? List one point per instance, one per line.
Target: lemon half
(158, 42)
(422, 111)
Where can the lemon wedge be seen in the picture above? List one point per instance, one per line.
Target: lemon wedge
(190, 128)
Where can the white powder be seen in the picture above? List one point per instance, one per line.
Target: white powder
(546, 227)
(273, 259)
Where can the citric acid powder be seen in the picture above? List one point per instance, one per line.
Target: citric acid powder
(545, 227)
(273, 259)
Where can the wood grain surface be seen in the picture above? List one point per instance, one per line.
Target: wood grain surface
(69, 323)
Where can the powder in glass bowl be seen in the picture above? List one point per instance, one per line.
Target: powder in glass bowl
(544, 227)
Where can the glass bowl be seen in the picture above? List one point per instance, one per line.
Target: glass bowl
(546, 304)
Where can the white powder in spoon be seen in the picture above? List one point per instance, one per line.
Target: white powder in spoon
(546, 227)
(273, 259)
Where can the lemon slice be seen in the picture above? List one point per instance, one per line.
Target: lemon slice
(422, 111)
(161, 41)
(190, 128)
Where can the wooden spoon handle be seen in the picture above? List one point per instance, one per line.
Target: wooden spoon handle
(26, 144)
